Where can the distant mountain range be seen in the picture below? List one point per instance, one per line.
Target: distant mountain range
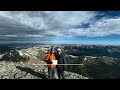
(8, 47)
(99, 62)
(23, 64)
(93, 50)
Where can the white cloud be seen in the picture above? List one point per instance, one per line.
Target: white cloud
(9, 35)
(102, 27)
(33, 36)
(46, 23)
(56, 24)
(21, 36)
(49, 19)
(105, 27)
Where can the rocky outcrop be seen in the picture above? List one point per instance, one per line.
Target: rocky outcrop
(70, 75)
(12, 70)
(14, 56)
(12, 65)
(1, 56)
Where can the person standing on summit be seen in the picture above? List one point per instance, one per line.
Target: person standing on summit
(51, 67)
(61, 60)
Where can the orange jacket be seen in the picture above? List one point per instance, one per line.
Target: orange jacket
(50, 57)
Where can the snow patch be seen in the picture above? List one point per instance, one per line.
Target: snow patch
(73, 56)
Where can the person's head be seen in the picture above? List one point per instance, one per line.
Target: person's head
(52, 50)
(58, 50)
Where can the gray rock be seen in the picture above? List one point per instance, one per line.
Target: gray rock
(4, 77)
(20, 75)
(9, 70)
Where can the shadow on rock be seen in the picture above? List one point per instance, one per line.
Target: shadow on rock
(13, 56)
(31, 71)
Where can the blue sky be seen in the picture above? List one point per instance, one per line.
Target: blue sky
(60, 27)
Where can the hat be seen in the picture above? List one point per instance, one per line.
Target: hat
(59, 49)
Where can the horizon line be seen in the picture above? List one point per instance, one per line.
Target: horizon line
(62, 44)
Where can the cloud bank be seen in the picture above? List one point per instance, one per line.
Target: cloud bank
(53, 25)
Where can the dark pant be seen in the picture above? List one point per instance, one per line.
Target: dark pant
(51, 72)
(60, 73)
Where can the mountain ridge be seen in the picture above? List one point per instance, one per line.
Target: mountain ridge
(24, 65)
(96, 64)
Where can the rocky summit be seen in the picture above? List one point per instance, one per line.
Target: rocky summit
(97, 62)
(25, 64)
(12, 70)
